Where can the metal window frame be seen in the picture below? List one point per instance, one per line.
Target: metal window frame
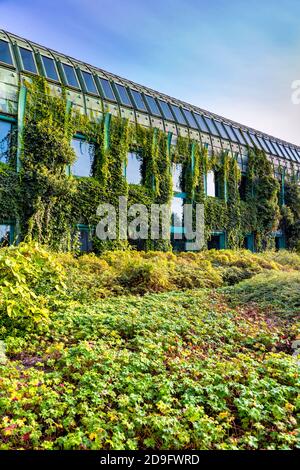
(65, 81)
(21, 59)
(42, 65)
(132, 91)
(221, 129)
(117, 93)
(13, 65)
(187, 112)
(184, 123)
(159, 101)
(84, 85)
(101, 89)
(147, 95)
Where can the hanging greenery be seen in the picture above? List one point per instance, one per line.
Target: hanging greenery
(262, 196)
(49, 203)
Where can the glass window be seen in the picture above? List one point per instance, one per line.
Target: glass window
(238, 133)
(70, 75)
(262, 144)
(152, 105)
(288, 150)
(211, 184)
(239, 136)
(107, 89)
(27, 60)
(177, 211)
(221, 129)
(211, 126)
(202, 124)
(133, 169)
(166, 110)
(230, 132)
(50, 68)
(285, 154)
(5, 234)
(178, 114)
(177, 169)
(247, 139)
(82, 165)
(270, 146)
(89, 82)
(123, 95)
(277, 148)
(138, 99)
(255, 141)
(5, 129)
(294, 152)
(190, 118)
(5, 55)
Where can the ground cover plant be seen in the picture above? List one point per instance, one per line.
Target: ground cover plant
(148, 350)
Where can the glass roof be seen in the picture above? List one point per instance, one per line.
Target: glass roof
(282, 148)
(157, 105)
(89, 82)
(107, 89)
(298, 153)
(263, 144)
(152, 105)
(211, 126)
(50, 68)
(277, 148)
(138, 100)
(221, 129)
(269, 146)
(70, 75)
(123, 94)
(294, 152)
(289, 152)
(27, 60)
(178, 114)
(247, 138)
(238, 133)
(166, 110)
(190, 118)
(202, 124)
(230, 132)
(5, 55)
(255, 140)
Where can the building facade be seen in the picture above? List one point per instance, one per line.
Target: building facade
(96, 93)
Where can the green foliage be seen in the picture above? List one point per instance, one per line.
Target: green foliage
(47, 202)
(276, 290)
(291, 214)
(9, 193)
(28, 275)
(46, 192)
(285, 258)
(262, 194)
(166, 370)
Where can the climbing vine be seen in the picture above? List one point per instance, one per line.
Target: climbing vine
(48, 202)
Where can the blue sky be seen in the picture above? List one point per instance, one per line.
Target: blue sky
(235, 58)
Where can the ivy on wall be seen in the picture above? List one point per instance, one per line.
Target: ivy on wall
(262, 197)
(48, 202)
